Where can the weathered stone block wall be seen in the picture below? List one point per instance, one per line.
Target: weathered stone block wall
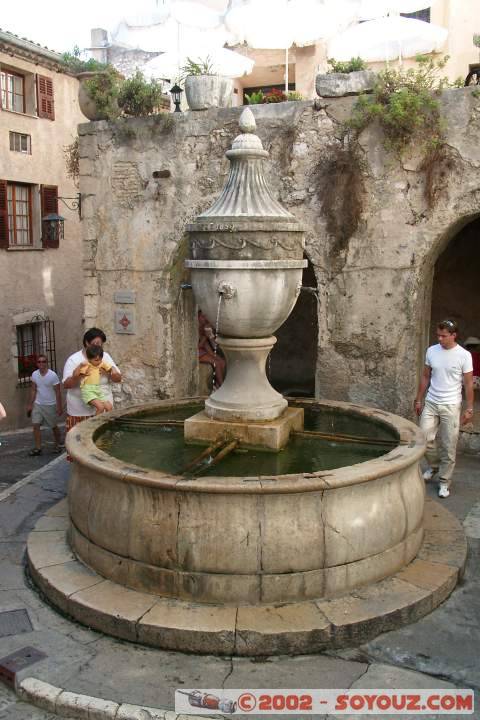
(145, 179)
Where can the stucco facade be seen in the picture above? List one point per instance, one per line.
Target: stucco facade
(42, 286)
(145, 179)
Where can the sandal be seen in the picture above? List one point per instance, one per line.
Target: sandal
(35, 451)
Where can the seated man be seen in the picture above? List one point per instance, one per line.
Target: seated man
(207, 350)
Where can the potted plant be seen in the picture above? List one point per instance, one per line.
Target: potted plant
(345, 78)
(139, 97)
(203, 88)
(98, 85)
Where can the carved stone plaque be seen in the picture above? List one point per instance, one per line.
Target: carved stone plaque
(125, 322)
(126, 297)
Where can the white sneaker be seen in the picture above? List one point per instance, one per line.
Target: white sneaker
(429, 473)
(443, 490)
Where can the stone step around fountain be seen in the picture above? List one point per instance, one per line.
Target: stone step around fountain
(283, 628)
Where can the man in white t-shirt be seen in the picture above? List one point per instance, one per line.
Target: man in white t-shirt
(77, 410)
(45, 405)
(448, 366)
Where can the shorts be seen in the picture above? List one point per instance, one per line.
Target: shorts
(45, 415)
(92, 392)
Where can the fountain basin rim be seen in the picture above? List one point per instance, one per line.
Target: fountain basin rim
(81, 446)
(246, 264)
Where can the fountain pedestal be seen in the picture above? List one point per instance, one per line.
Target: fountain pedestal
(245, 407)
(271, 435)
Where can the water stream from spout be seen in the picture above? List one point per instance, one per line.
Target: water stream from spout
(215, 348)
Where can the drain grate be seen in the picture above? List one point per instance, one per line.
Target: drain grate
(14, 622)
(11, 664)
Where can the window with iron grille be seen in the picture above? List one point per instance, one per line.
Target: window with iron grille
(12, 86)
(418, 15)
(21, 142)
(34, 339)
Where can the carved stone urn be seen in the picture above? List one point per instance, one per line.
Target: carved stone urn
(246, 269)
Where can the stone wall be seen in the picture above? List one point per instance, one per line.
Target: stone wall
(373, 241)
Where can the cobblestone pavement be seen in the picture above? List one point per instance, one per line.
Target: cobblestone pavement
(15, 462)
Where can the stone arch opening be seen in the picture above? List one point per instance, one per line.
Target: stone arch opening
(293, 360)
(456, 286)
(456, 294)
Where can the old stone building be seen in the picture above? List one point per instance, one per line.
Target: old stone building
(392, 245)
(40, 275)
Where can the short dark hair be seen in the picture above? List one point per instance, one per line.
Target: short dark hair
(449, 325)
(94, 351)
(92, 334)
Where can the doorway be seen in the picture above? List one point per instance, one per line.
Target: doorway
(292, 364)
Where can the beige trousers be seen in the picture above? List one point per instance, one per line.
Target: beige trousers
(441, 425)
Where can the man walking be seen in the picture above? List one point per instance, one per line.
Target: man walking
(45, 404)
(447, 366)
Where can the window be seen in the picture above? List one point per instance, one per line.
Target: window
(20, 142)
(12, 91)
(418, 15)
(34, 339)
(19, 200)
(22, 209)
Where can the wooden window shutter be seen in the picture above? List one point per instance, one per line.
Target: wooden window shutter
(3, 215)
(45, 100)
(49, 197)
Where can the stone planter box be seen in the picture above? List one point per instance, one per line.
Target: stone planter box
(206, 91)
(340, 84)
(87, 104)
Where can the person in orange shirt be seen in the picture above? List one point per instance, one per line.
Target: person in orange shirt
(89, 372)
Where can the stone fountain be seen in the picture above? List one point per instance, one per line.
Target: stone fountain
(245, 562)
(247, 269)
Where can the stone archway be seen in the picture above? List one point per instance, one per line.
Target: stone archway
(456, 286)
(456, 295)
(293, 361)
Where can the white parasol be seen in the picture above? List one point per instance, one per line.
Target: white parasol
(223, 61)
(274, 24)
(387, 38)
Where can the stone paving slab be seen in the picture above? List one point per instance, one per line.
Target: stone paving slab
(441, 650)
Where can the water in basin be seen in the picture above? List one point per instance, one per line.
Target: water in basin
(161, 447)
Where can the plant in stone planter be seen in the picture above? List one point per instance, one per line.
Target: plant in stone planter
(274, 96)
(102, 89)
(255, 97)
(345, 78)
(355, 64)
(204, 88)
(138, 97)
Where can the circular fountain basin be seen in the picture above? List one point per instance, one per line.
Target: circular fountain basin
(255, 537)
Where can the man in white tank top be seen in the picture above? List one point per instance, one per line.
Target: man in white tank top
(447, 367)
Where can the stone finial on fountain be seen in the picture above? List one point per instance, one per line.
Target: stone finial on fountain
(247, 122)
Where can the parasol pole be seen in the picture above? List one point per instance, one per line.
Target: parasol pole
(286, 71)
